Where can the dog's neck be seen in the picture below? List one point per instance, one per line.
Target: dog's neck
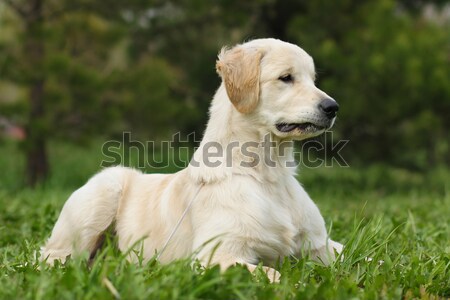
(233, 144)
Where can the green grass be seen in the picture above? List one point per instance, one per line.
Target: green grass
(390, 215)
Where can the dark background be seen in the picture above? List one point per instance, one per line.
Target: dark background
(82, 70)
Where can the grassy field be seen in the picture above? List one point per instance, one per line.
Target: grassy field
(398, 218)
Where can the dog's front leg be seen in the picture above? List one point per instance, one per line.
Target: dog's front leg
(312, 236)
(317, 243)
(318, 246)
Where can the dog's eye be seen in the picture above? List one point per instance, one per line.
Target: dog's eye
(286, 78)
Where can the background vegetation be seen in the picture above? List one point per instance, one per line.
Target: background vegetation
(73, 70)
(74, 74)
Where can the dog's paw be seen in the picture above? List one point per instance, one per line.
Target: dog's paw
(51, 256)
(335, 247)
(273, 275)
(328, 253)
(338, 247)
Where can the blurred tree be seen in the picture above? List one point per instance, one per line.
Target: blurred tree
(69, 55)
(31, 16)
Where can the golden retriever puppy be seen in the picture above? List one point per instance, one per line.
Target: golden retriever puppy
(238, 201)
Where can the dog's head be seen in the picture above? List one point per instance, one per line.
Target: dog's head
(273, 82)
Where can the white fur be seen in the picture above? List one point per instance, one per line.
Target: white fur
(257, 213)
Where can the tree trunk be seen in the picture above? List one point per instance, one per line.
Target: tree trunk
(37, 167)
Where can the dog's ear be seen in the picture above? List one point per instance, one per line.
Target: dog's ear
(239, 68)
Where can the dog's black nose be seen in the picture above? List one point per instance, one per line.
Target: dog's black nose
(329, 107)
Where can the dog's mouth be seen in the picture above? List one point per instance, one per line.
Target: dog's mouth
(303, 127)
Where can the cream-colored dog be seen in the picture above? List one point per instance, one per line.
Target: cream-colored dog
(238, 201)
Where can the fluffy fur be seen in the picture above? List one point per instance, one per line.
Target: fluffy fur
(243, 213)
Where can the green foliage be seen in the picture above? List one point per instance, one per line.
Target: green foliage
(407, 229)
(92, 84)
(148, 66)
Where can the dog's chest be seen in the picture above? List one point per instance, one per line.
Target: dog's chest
(260, 219)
